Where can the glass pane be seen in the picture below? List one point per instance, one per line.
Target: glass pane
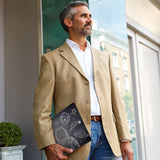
(110, 35)
(53, 33)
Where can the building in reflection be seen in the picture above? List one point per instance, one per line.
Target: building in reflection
(119, 54)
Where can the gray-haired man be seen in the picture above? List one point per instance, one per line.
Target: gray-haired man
(76, 72)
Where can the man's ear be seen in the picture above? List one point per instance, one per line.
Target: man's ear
(68, 22)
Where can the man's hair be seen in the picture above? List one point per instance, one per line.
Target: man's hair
(69, 12)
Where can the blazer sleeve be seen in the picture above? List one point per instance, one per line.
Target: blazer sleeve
(118, 108)
(42, 107)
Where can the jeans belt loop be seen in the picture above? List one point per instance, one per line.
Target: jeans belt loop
(95, 119)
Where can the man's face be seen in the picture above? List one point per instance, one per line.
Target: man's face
(82, 23)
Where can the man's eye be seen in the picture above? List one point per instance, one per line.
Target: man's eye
(86, 15)
(83, 15)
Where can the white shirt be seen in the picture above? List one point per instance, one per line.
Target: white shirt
(85, 60)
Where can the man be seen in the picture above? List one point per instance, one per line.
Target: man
(76, 72)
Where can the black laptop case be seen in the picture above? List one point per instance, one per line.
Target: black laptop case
(69, 128)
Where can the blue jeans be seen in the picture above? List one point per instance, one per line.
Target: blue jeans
(100, 148)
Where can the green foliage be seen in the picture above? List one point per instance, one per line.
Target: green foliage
(127, 99)
(128, 104)
(10, 134)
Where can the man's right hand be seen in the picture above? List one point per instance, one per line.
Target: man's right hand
(55, 152)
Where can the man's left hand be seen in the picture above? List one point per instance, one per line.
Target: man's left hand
(126, 150)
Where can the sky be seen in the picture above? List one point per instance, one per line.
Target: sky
(110, 15)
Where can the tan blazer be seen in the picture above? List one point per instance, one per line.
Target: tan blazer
(63, 80)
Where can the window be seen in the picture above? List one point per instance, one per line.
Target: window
(102, 46)
(115, 40)
(118, 82)
(126, 83)
(125, 66)
(115, 60)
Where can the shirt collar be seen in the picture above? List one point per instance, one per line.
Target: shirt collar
(73, 44)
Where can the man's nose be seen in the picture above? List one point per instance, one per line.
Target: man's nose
(89, 19)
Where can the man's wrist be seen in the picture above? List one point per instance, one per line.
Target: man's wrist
(48, 147)
(125, 140)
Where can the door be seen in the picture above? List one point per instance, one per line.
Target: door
(145, 64)
(148, 60)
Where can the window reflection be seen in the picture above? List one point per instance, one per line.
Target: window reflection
(115, 60)
(110, 35)
(125, 66)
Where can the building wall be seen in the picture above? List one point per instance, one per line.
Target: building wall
(119, 70)
(21, 68)
(145, 13)
(2, 60)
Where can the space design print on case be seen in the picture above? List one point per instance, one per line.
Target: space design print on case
(69, 128)
(65, 118)
(63, 138)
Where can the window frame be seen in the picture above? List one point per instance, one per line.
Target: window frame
(132, 29)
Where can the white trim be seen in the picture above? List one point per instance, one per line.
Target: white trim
(133, 25)
(40, 29)
(136, 96)
(146, 42)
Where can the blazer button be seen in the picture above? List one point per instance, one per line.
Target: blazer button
(88, 101)
(86, 82)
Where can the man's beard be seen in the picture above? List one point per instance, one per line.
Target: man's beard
(86, 31)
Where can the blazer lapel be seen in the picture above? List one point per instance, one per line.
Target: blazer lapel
(96, 62)
(66, 52)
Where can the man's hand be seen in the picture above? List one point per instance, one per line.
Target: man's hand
(126, 150)
(55, 152)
